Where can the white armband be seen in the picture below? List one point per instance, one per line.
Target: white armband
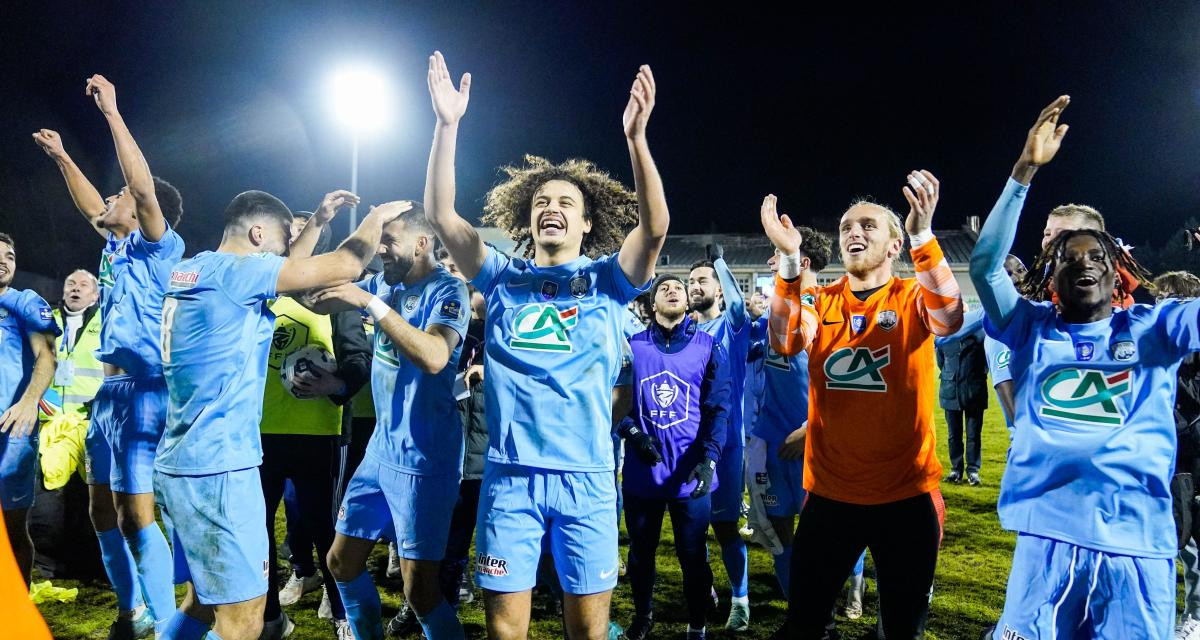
(378, 308)
(789, 266)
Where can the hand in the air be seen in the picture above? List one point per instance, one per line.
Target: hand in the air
(922, 195)
(449, 104)
(50, 142)
(641, 103)
(779, 228)
(333, 202)
(104, 93)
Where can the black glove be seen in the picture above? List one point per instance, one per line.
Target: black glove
(703, 474)
(643, 446)
(714, 251)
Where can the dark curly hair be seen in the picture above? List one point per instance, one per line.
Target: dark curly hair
(817, 246)
(607, 204)
(1036, 285)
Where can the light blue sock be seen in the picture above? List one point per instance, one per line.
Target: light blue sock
(363, 609)
(155, 572)
(181, 626)
(118, 564)
(858, 567)
(737, 565)
(783, 570)
(442, 623)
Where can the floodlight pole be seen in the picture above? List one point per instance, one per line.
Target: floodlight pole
(354, 182)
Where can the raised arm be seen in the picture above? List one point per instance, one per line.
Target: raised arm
(792, 316)
(333, 202)
(344, 263)
(639, 252)
(996, 291)
(735, 303)
(449, 105)
(87, 199)
(20, 419)
(940, 305)
(133, 165)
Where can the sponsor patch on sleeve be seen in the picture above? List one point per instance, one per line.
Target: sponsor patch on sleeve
(451, 310)
(45, 314)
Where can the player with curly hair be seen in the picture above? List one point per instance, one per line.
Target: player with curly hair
(554, 330)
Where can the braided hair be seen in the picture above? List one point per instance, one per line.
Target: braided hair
(1036, 285)
(611, 208)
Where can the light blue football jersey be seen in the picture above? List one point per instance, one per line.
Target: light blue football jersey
(216, 335)
(553, 342)
(1093, 448)
(414, 410)
(133, 280)
(752, 393)
(785, 396)
(22, 314)
(998, 358)
(736, 343)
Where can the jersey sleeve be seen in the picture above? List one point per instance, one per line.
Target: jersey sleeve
(494, 263)
(369, 284)
(169, 244)
(450, 305)
(998, 357)
(995, 288)
(792, 320)
(1021, 321)
(37, 317)
(1178, 326)
(735, 303)
(252, 278)
(939, 302)
(613, 281)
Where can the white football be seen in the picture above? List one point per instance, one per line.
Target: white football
(305, 358)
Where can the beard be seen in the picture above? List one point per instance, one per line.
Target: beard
(396, 269)
(864, 263)
(703, 304)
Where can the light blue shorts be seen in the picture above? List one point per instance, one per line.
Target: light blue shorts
(785, 497)
(218, 526)
(18, 462)
(575, 511)
(131, 413)
(97, 455)
(1060, 590)
(731, 484)
(413, 510)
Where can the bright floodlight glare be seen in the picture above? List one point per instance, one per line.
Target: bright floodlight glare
(361, 100)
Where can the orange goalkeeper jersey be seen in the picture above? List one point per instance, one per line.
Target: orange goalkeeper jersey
(872, 378)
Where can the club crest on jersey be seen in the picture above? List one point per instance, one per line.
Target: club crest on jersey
(672, 399)
(549, 289)
(808, 299)
(1124, 351)
(886, 320)
(578, 286)
(543, 327)
(1085, 395)
(858, 323)
(410, 304)
(857, 369)
(1084, 351)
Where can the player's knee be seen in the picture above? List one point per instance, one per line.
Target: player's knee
(423, 595)
(341, 571)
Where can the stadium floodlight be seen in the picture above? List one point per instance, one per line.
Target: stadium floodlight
(361, 102)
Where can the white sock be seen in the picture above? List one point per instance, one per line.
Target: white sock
(742, 600)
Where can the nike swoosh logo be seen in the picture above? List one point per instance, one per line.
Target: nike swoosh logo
(826, 322)
(605, 575)
(409, 545)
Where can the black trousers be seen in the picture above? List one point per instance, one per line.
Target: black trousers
(308, 462)
(690, 518)
(974, 431)
(903, 537)
(458, 544)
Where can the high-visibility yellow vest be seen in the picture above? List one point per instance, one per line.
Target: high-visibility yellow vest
(363, 403)
(79, 374)
(283, 413)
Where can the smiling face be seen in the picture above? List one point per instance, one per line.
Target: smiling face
(1083, 275)
(120, 213)
(703, 288)
(671, 299)
(8, 264)
(557, 218)
(867, 239)
(79, 291)
(1016, 269)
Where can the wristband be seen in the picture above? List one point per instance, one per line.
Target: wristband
(377, 308)
(789, 266)
(920, 238)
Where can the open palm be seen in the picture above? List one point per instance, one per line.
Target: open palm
(641, 103)
(449, 104)
(1045, 137)
(780, 230)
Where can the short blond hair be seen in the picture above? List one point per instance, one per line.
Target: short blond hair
(895, 225)
(1089, 214)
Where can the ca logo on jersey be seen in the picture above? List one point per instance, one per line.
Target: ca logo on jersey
(857, 369)
(1085, 395)
(543, 327)
(106, 277)
(777, 361)
(385, 350)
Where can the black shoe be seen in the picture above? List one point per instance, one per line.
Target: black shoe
(405, 623)
(640, 628)
(954, 477)
(973, 479)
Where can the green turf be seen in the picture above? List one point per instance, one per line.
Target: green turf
(969, 591)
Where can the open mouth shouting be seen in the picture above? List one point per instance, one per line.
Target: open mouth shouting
(855, 248)
(552, 225)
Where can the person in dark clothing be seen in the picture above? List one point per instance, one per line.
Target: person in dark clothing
(676, 431)
(964, 392)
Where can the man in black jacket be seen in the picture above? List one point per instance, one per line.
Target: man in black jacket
(963, 395)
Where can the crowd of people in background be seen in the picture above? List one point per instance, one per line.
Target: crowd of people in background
(415, 386)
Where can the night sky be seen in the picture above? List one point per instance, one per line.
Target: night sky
(818, 109)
